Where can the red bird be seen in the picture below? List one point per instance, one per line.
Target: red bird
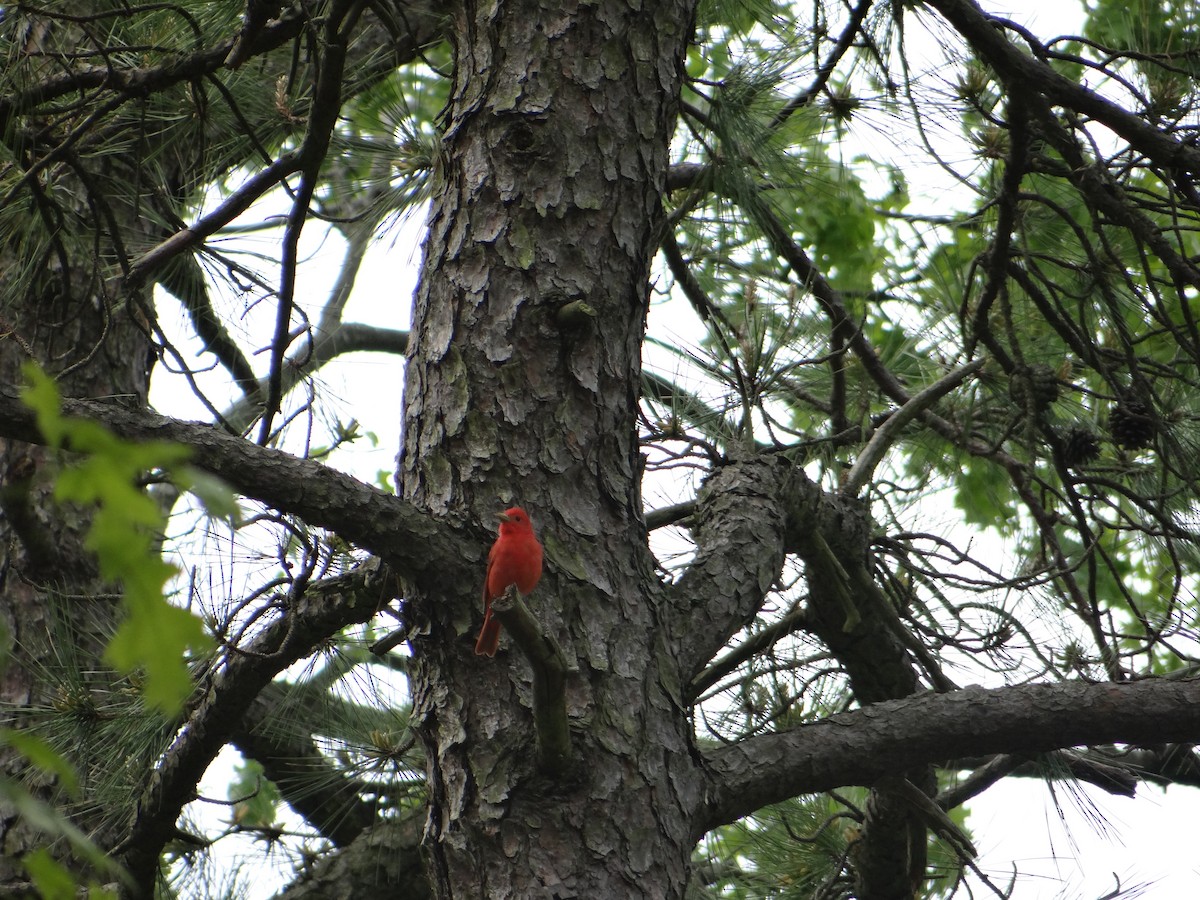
(515, 558)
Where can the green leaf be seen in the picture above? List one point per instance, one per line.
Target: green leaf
(51, 878)
(41, 395)
(219, 501)
(123, 534)
(984, 495)
(152, 638)
(256, 798)
(42, 756)
(49, 821)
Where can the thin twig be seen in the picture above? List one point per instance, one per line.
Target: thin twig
(889, 431)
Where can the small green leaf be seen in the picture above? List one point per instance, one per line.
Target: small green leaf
(52, 880)
(151, 638)
(219, 501)
(41, 395)
(40, 755)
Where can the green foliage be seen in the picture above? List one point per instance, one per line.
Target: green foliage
(255, 797)
(52, 879)
(1150, 27)
(124, 534)
(796, 850)
(739, 16)
(388, 147)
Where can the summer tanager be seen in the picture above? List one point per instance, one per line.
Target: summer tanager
(515, 558)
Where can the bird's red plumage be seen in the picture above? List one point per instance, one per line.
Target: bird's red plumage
(515, 558)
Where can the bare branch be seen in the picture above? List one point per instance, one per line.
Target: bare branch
(890, 430)
(326, 105)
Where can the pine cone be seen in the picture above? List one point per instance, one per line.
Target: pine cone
(1038, 382)
(1132, 425)
(1080, 446)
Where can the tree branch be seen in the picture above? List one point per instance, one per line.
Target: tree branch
(144, 81)
(418, 548)
(351, 337)
(889, 431)
(352, 598)
(388, 855)
(763, 640)
(859, 747)
(1109, 775)
(739, 527)
(549, 666)
(1022, 70)
(340, 20)
(229, 209)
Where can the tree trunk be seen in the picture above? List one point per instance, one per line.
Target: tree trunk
(58, 309)
(56, 614)
(522, 387)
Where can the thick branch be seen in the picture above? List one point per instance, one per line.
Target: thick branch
(739, 527)
(385, 860)
(852, 617)
(415, 546)
(549, 666)
(184, 278)
(859, 747)
(1022, 70)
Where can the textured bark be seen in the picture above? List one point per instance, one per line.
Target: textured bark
(554, 165)
(862, 746)
(386, 858)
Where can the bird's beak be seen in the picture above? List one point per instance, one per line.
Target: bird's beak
(503, 517)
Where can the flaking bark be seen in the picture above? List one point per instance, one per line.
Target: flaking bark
(554, 160)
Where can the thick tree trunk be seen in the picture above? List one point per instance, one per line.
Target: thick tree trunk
(554, 161)
(56, 613)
